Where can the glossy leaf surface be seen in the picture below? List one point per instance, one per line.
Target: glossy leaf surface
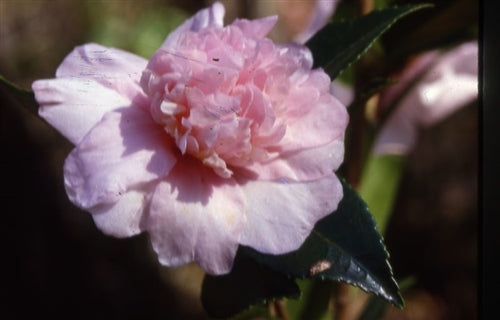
(249, 283)
(344, 246)
(339, 44)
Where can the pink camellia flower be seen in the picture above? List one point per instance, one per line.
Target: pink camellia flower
(222, 138)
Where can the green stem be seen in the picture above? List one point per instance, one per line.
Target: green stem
(379, 185)
(280, 310)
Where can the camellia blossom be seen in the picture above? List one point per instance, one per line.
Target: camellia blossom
(222, 138)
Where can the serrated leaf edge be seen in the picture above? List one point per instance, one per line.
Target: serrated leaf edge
(388, 297)
(412, 8)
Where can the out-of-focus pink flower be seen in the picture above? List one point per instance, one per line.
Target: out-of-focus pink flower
(322, 12)
(435, 85)
(222, 138)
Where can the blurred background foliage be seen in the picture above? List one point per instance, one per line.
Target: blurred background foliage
(55, 262)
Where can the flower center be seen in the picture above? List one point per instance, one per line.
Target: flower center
(212, 102)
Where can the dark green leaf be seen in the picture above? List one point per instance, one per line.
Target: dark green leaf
(247, 284)
(24, 97)
(339, 44)
(343, 246)
(375, 307)
(449, 23)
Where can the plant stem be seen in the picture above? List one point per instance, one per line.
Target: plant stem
(365, 6)
(279, 309)
(344, 304)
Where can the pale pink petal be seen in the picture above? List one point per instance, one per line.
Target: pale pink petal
(281, 214)
(299, 53)
(197, 216)
(124, 150)
(449, 82)
(73, 106)
(323, 10)
(209, 17)
(123, 218)
(342, 92)
(408, 77)
(257, 28)
(400, 132)
(325, 122)
(113, 68)
(304, 165)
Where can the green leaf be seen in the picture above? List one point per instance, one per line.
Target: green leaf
(25, 98)
(339, 44)
(248, 283)
(375, 308)
(449, 23)
(344, 246)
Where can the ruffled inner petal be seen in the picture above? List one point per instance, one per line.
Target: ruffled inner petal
(303, 165)
(205, 18)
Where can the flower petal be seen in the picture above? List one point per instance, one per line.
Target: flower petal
(451, 84)
(407, 77)
(325, 122)
(299, 53)
(209, 17)
(197, 216)
(303, 165)
(123, 218)
(113, 68)
(449, 81)
(343, 92)
(399, 134)
(257, 28)
(73, 106)
(281, 214)
(323, 10)
(125, 149)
